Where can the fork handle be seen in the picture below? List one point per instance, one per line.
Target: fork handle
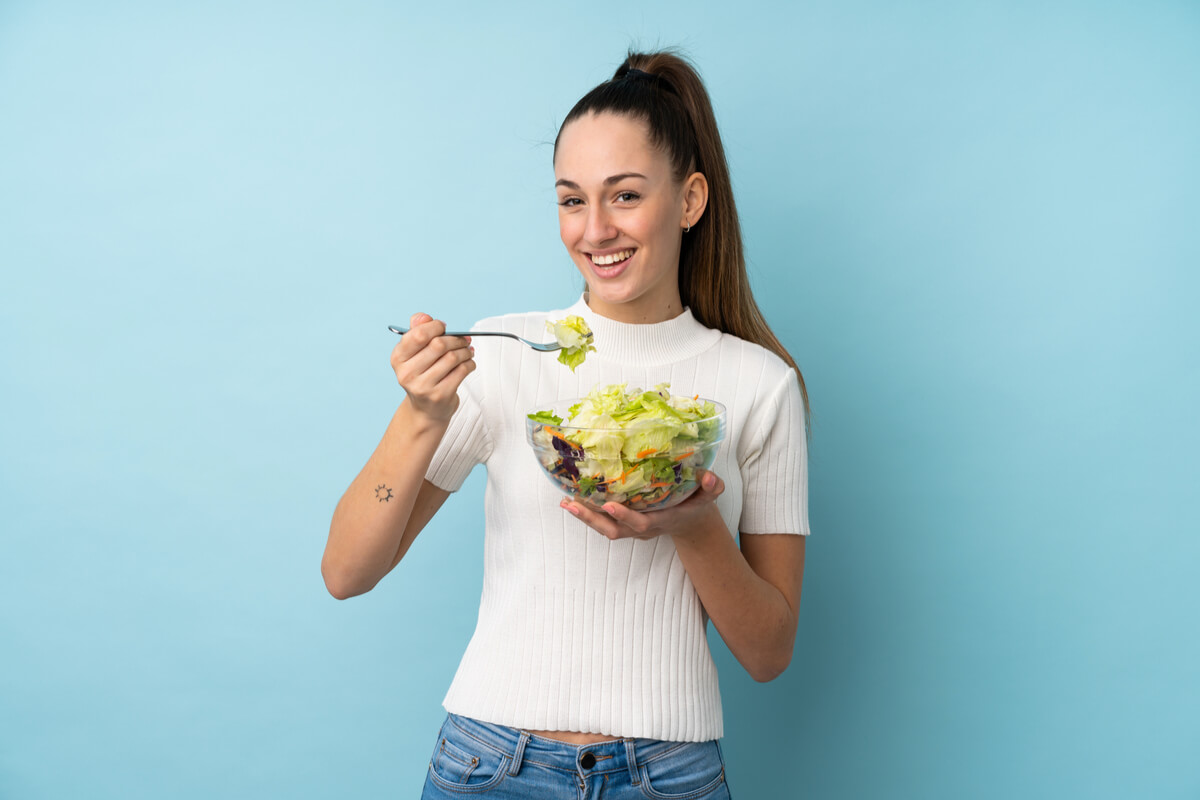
(402, 331)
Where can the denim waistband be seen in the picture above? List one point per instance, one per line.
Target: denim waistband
(524, 747)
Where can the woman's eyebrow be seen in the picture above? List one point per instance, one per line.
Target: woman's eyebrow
(607, 181)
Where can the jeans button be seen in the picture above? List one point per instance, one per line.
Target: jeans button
(588, 761)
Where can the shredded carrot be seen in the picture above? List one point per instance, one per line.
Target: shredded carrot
(682, 456)
(627, 473)
(696, 397)
(649, 451)
(560, 436)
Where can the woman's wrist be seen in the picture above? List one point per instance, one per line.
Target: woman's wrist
(419, 423)
(702, 531)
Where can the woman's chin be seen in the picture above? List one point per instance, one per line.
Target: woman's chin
(608, 295)
(608, 290)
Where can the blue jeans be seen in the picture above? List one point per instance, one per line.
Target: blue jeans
(474, 758)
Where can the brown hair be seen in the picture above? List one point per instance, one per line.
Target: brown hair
(664, 90)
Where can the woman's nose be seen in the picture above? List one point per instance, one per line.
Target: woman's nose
(600, 227)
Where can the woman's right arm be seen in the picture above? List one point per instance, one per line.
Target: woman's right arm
(389, 502)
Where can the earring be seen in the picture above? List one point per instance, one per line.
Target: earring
(688, 228)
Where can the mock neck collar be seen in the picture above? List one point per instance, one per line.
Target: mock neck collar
(647, 344)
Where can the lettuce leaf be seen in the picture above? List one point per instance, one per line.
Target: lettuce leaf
(576, 340)
(546, 418)
(639, 425)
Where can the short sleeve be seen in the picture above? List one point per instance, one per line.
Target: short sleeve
(466, 442)
(774, 466)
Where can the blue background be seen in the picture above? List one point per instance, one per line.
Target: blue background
(974, 226)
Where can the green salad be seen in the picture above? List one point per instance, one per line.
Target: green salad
(576, 340)
(634, 447)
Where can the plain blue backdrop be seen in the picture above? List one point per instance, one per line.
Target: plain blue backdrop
(974, 226)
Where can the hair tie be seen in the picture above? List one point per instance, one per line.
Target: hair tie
(657, 80)
(637, 73)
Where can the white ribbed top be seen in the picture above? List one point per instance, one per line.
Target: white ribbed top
(577, 632)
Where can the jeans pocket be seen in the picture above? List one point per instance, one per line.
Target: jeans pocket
(462, 763)
(691, 771)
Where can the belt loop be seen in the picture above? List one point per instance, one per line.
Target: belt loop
(632, 762)
(519, 755)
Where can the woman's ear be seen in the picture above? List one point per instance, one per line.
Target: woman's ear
(695, 198)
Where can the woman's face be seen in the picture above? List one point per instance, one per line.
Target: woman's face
(621, 215)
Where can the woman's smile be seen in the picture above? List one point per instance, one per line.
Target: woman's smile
(607, 259)
(609, 266)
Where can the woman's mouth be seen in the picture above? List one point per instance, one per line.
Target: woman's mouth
(611, 264)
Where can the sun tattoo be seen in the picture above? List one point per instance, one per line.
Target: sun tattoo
(379, 493)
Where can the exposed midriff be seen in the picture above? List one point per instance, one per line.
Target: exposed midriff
(574, 737)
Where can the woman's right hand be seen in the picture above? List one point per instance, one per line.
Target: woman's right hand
(431, 366)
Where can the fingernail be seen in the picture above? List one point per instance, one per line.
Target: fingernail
(708, 480)
(472, 349)
(573, 510)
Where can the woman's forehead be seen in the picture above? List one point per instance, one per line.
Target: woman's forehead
(596, 146)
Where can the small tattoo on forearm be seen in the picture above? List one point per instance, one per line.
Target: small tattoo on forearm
(380, 493)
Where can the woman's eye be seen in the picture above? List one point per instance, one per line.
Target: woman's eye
(569, 202)
(627, 197)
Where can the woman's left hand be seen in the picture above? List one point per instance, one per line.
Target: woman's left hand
(618, 522)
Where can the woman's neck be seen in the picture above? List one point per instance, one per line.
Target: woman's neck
(636, 312)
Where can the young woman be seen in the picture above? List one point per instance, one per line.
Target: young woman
(589, 674)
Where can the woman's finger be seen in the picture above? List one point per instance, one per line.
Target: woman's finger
(631, 519)
(600, 522)
(413, 344)
(426, 349)
(711, 484)
(430, 337)
(446, 364)
(449, 384)
(421, 334)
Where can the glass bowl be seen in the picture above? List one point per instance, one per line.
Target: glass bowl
(600, 465)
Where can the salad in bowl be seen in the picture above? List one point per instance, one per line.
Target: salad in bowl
(639, 448)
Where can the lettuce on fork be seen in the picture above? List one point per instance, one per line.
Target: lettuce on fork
(576, 340)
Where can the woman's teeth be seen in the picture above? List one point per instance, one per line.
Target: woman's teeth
(611, 259)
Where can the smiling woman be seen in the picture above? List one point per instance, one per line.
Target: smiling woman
(589, 669)
(622, 229)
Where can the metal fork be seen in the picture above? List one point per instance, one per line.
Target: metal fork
(544, 348)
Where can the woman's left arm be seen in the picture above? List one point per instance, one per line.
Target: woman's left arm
(751, 595)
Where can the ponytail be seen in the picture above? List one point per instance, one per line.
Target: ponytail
(664, 89)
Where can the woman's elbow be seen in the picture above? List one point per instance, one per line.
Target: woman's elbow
(770, 670)
(340, 585)
(774, 661)
(338, 592)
